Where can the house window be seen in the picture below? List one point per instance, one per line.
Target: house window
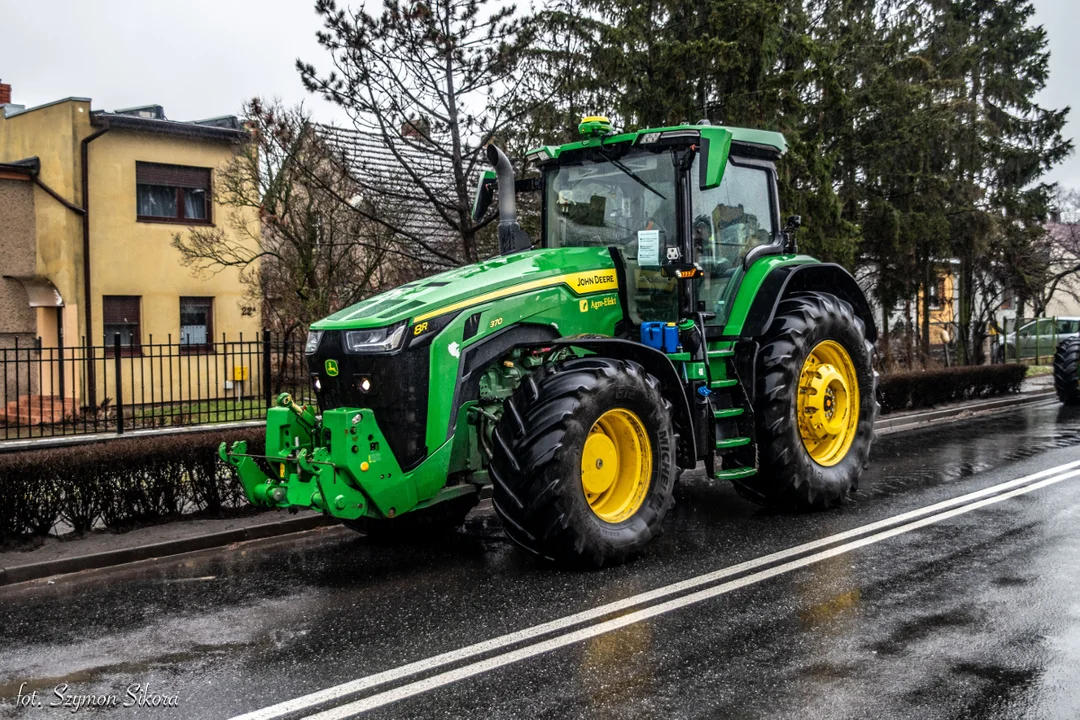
(196, 323)
(938, 292)
(120, 316)
(172, 193)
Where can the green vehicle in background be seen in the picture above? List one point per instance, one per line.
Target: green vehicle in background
(665, 319)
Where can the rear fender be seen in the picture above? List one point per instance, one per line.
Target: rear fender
(822, 277)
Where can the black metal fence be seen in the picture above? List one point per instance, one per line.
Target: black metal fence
(87, 389)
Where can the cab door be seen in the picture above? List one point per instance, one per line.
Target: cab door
(727, 222)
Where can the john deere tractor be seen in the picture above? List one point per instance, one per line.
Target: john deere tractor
(663, 319)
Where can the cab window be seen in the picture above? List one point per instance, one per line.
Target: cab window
(728, 221)
(629, 202)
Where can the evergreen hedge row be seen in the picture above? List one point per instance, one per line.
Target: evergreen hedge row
(123, 482)
(928, 388)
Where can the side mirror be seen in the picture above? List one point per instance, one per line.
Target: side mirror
(794, 222)
(485, 193)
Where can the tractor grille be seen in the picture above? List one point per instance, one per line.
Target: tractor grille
(398, 395)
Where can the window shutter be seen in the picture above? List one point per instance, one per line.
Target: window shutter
(120, 309)
(172, 175)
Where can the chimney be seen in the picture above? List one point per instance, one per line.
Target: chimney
(416, 128)
(5, 94)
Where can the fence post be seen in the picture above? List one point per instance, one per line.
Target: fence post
(267, 389)
(119, 385)
(1038, 338)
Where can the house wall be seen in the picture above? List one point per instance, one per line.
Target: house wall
(53, 133)
(17, 250)
(137, 258)
(1063, 305)
(128, 257)
(17, 321)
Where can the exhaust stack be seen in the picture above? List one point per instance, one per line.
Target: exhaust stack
(512, 238)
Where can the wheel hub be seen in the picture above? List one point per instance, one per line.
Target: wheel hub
(599, 463)
(828, 403)
(616, 465)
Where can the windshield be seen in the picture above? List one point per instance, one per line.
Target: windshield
(628, 202)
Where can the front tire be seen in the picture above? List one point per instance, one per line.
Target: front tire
(815, 405)
(1066, 367)
(583, 462)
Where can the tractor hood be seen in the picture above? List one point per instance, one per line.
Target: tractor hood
(476, 284)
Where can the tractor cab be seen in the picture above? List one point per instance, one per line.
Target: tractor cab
(687, 203)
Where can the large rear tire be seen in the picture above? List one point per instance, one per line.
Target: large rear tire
(1066, 367)
(815, 406)
(583, 462)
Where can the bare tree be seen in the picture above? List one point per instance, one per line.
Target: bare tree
(1056, 255)
(307, 242)
(434, 82)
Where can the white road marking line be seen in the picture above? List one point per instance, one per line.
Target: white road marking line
(337, 692)
(421, 686)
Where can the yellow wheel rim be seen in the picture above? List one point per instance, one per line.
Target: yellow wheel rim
(616, 465)
(827, 405)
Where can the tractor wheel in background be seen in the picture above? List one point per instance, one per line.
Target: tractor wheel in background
(1066, 380)
(583, 461)
(431, 522)
(815, 405)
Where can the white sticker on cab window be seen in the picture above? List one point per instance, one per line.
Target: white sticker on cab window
(648, 248)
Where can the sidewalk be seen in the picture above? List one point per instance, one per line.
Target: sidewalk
(99, 549)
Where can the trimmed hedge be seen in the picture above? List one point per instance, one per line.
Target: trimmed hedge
(123, 482)
(927, 388)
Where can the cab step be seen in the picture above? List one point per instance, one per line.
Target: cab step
(728, 413)
(735, 473)
(719, 384)
(732, 443)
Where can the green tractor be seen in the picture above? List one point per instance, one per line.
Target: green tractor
(665, 319)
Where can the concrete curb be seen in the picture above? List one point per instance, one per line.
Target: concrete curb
(909, 421)
(34, 571)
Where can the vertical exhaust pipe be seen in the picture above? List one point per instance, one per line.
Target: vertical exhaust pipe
(512, 238)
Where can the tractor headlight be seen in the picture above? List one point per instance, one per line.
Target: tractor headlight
(375, 339)
(313, 339)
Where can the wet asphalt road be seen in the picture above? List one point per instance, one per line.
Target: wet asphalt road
(974, 616)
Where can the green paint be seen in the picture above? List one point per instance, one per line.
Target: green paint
(744, 135)
(747, 289)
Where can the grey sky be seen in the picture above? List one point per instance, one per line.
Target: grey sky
(203, 58)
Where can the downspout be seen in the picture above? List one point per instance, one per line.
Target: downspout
(56, 196)
(87, 297)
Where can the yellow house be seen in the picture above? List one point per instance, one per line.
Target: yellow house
(942, 306)
(110, 189)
